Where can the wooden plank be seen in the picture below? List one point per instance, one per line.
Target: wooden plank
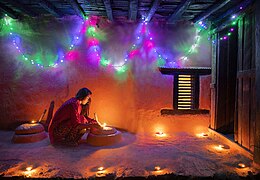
(210, 10)
(236, 114)
(10, 12)
(175, 92)
(231, 81)
(239, 102)
(252, 109)
(221, 87)
(257, 82)
(240, 44)
(179, 11)
(245, 113)
(151, 12)
(23, 8)
(133, 9)
(231, 11)
(247, 42)
(188, 70)
(77, 8)
(240, 109)
(197, 91)
(213, 82)
(247, 65)
(108, 9)
(50, 8)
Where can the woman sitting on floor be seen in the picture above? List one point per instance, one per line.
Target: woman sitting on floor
(68, 124)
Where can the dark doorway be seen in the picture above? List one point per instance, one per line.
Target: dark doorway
(226, 74)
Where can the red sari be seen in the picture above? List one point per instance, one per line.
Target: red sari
(64, 127)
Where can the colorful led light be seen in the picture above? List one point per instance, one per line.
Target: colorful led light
(144, 40)
(16, 41)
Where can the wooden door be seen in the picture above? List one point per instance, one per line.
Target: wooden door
(245, 100)
(223, 86)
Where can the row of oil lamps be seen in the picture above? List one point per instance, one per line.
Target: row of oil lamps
(101, 170)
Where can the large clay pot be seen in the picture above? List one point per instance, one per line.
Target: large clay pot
(28, 133)
(104, 137)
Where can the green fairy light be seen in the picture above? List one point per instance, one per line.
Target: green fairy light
(120, 69)
(104, 62)
(160, 62)
(229, 33)
(13, 28)
(91, 31)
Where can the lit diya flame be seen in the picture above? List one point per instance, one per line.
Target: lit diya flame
(157, 168)
(202, 135)
(29, 171)
(101, 168)
(219, 147)
(104, 126)
(100, 172)
(160, 134)
(241, 165)
(33, 121)
(29, 168)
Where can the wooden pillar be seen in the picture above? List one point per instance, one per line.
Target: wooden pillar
(197, 91)
(175, 92)
(213, 82)
(257, 83)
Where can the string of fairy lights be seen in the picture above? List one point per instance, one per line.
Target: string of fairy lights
(143, 38)
(26, 57)
(231, 30)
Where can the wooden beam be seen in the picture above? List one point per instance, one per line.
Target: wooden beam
(179, 11)
(210, 10)
(1, 15)
(133, 9)
(257, 82)
(50, 8)
(23, 8)
(244, 4)
(150, 14)
(77, 8)
(108, 9)
(11, 13)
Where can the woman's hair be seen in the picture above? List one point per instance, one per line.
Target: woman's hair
(82, 93)
(85, 108)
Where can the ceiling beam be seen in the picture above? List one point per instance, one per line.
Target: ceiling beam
(179, 11)
(1, 15)
(11, 13)
(77, 8)
(23, 8)
(210, 10)
(108, 9)
(50, 8)
(243, 4)
(154, 7)
(133, 8)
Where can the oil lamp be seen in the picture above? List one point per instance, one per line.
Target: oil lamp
(157, 168)
(241, 165)
(100, 172)
(101, 168)
(33, 122)
(29, 168)
(202, 135)
(160, 134)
